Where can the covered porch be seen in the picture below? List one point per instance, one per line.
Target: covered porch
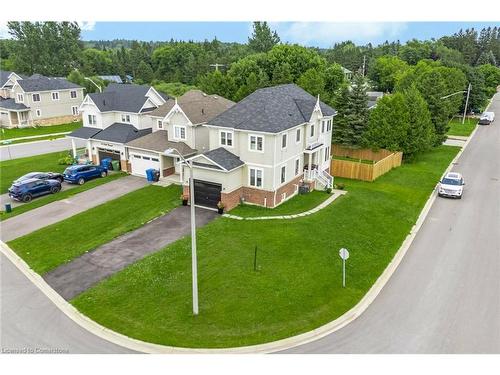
(317, 164)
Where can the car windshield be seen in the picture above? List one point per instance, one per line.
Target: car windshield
(450, 181)
(69, 171)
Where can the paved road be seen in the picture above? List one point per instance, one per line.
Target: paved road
(445, 295)
(21, 150)
(51, 213)
(30, 320)
(73, 278)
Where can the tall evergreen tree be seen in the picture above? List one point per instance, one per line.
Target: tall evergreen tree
(357, 113)
(340, 123)
(263, 38)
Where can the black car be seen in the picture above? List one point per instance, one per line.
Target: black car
(41, 176)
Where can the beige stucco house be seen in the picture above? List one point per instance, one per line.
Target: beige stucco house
(37, 100)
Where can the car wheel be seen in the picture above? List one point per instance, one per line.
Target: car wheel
(27, 198)
(81, 181)
(55, 189)
(104, 174)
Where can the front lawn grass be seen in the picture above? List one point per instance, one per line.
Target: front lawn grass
(47, 138)
(51, 246)
(298, 285)
(42, 201)
(39, 130)
(465, 129)
(296, 205)
(13, 169)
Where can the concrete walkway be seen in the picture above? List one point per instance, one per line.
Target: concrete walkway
(51, 213)
(335, 195)
(73, 278)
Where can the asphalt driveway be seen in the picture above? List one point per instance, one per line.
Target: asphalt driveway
(4, 198)
(51, 213)
(73, 278)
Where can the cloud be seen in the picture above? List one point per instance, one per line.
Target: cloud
(326, 34)
(4, 31)
(86, 25)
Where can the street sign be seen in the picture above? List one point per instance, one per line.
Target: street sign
(344, 254)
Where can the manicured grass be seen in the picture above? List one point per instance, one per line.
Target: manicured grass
(464, 130)
(42, 201)
(364, 161)
(13, 169)
(47, 138)
(295, 205)
(298, 283)
(59, 243)
(39, 130)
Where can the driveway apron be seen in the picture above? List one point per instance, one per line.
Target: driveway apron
(73, 278)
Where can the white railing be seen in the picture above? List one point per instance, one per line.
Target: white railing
(322, 177)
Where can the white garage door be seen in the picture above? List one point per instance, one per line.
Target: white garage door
(140, 163)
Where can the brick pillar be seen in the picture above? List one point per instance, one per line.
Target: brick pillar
(94, 159)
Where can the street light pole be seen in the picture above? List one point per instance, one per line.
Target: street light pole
(95, 84)
(194, 263)
(466, 103)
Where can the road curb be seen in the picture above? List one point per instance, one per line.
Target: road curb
(275, 346)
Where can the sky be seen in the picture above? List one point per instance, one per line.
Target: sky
(316, 34)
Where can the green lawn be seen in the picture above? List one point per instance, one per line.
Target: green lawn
(40, 130)
(59, 243)
(42, 201)
(298, 285)
(457, 128)
(47, 138)
(12, 169)
(295, 205)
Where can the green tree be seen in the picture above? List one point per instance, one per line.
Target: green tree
(334, 79)
(217, 83)
(312, 81)
(491, 75)
(96, 62)
(253, 82)
(340, 123)
(487, 58)
(282, 74)
(263, 38)
(414, 51)
(175, 89)
(346, 54)
(385, 72)
(78, 77)
(144, 73)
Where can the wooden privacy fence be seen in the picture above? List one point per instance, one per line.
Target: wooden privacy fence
(383, 162)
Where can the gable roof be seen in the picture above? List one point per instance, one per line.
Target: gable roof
(272, 110)
(224, 158)
(158, 141)
(85, 132)
(11, 104)
(121, 97)
(198, 106)
(37, 82)
(120, 133)
(4, 76)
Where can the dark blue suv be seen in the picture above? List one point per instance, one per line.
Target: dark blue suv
(78, 174)
(28, 189)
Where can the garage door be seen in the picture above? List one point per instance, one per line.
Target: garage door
(106, 153)
(139, 163)
(206, 193)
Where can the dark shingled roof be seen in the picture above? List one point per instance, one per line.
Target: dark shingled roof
(121, 97)
(120, 133)
(272, 110)
(12, 105)
(158, 141)
(224, 158)
(37, 82)
(84, 132)
(4, 76)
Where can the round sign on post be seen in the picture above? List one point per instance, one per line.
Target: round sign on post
(344, 254)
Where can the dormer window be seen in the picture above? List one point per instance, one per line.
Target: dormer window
(20, 98)
(179, 132)
(126, 118)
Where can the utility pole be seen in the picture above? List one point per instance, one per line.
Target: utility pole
(364, 64)
(217, 65)
(466, 103)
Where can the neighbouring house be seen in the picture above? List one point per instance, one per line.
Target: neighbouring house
(37, 100)
(263, 148)
(115, 117)
(373, 97)
(112, 78)
(347, 73)
(177, 124)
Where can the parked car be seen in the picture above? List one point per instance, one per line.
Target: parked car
(79, 174)
(28, 189)
(487, 118)
(452, 185)
(41, 176)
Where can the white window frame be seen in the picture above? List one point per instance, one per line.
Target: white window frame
(73, 111)
(297, 166)
(256, 136)
(298, 135)
(179, 128)
(37, 94)
(54, 95)
(38, 112)
(323, 126)
(284, 138)
(159, 124)
(20, 97)
(329, 125)
(327, 153)
(311, 131)
(226, 138)
(71, 94)
(125, 118)
(92, 119)
(261, 170)
(283, 175)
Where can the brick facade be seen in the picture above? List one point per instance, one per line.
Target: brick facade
(57, 120)
(168, 171)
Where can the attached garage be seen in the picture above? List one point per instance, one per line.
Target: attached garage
(108, 153)
(206, 193)
(140, 162)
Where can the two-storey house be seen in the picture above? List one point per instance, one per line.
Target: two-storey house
(178, 124)
(115, 117)
(38, 100)
(262, 148)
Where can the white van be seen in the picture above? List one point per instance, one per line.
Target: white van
(487, 118)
